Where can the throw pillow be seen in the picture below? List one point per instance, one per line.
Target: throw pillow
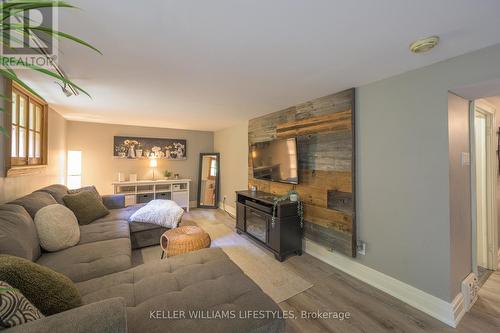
(86, 206)
(34, 202)
(57, 228)
(15, 309)
(90, 189)
(165, 213)
(49, 291)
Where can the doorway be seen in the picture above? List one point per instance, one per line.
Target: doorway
(484, 174)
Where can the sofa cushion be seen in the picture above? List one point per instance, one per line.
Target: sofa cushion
(34, 202)
(114, 201)
(57, 228)
(87, 261)
(18, 236)
(86, 206)
(120, 214)
(96, 232)
(92, 189)
(145, 237)
(57, 191)
(48, 290)
(108, 316)
(205, 280)
(15, 308)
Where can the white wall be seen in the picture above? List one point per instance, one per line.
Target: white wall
(403, 170)
(232, 144)
(99, 168)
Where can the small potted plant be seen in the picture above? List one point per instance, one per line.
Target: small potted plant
(293, 195)
(167, 174)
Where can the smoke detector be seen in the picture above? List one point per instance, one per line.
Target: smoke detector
(424, 44)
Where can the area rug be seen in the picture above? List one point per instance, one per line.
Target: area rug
(273, 277)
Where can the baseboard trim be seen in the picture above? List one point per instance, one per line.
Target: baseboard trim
(458, 309)
(448, 313)
(230, 209)
(193, 204)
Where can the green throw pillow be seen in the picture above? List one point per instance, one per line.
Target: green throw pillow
(86, 206)
(49, 291)
(90, 189)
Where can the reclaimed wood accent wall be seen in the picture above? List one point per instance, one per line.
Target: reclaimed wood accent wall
(324, 128)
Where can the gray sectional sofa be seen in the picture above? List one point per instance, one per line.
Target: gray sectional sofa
(119, 298)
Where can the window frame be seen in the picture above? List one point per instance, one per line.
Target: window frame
(15, 166)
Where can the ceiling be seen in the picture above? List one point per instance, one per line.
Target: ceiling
(207, 65)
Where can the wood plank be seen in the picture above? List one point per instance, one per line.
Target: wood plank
(326, 151)
(313, 187)
(328, 180)
(315, 125)
(328, 218)
(329, 238)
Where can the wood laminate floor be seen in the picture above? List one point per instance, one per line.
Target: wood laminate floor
(371, 309)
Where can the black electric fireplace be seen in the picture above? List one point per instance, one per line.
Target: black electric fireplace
(256, 224)
(254, 217)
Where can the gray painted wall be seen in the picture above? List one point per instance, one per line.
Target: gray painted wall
(403, 176)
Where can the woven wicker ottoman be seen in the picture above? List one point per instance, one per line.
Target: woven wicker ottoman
(183, 239)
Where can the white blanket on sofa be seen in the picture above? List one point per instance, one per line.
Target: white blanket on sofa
(166, 213)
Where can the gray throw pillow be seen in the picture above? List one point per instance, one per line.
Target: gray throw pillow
(49, 291)
(91, 188)
(15, 309)
(86, 206)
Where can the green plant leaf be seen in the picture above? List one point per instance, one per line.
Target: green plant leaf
(5, 98)
(17, 8)
(14, 78)
(51, 32)
(4, 132)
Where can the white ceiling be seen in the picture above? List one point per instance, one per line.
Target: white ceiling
(210, 64)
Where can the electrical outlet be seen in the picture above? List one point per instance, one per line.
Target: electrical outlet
(470, 289)
(361, 247)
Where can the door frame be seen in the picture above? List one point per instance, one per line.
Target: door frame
(492, 170)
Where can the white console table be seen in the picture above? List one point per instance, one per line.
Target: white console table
(142, 191)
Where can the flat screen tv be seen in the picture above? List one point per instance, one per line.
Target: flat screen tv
(275, 161)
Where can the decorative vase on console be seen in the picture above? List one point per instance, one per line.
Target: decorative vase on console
(131, 152)
(138, 153)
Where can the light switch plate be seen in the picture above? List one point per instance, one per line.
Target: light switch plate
(465, 159)
(361, 247)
